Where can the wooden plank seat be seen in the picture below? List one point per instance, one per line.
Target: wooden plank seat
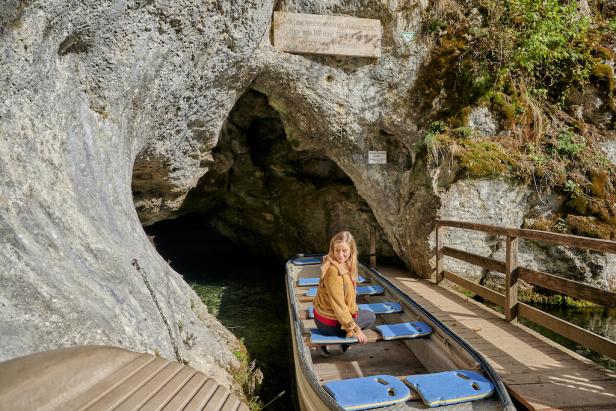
(309, 294)
(386, 307)
(450, 387)
(312, 281)
(385, 332)
(368, 392)
(104, 378)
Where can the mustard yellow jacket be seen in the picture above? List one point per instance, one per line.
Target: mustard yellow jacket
(335, 299)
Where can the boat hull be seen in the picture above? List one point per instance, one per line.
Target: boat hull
(308, 399)
(446, 349)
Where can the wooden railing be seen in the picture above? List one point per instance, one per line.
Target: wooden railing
(509, 301)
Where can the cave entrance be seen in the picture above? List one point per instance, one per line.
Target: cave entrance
(262, 192)
(261, 202)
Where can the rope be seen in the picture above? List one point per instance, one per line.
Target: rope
(135, 264)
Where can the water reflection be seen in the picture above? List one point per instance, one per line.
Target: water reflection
(245, 292)
(599, 320)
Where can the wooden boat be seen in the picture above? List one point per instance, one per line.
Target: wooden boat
(436, 353)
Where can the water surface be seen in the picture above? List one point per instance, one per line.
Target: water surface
(599, 320)
(244, 292)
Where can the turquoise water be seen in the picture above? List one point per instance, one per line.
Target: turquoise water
(245, 292)
(601, 321)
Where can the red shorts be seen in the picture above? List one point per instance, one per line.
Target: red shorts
(328, 321)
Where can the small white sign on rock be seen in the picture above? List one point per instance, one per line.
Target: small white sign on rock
(377, 157)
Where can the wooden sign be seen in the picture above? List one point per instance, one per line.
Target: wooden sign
(312, 33)
(377, 157)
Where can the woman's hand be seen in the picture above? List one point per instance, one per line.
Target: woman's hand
(361, 337)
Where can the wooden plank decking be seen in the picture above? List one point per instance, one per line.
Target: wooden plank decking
(539, 373)
(108, 378)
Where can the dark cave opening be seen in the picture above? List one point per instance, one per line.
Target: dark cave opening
(243, 290)
(261, 202)
(261, 191)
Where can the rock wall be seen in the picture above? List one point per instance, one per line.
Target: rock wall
(101, 100)
(507, 203)
(261, 192)
(86, 85)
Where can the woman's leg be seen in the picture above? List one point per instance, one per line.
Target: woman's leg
(365, 319)
(329, 329)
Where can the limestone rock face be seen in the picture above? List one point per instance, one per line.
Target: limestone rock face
(87, 87)
(261, 192)
(609, 147)
(494, 202)
(483, 121)
(341, 107)
(505, 203)
(105, 100)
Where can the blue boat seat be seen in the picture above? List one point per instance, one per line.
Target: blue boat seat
(363, 290)
(368, 392)
(316, 337)
(304, 282)
(377, 308)
(404, 330)
(307, 261)
(450, 387)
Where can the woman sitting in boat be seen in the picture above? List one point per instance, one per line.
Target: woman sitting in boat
(335, 308)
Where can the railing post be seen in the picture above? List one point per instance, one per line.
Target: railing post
(511, 279)
(372, 247)
(440, 231)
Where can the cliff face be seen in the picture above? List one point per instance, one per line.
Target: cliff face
(85, 86)
(341, 108)
(105, 101)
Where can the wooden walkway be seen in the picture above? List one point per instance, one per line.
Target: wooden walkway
(104, 378)
(539, 373)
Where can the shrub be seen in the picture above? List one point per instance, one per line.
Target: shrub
(483, 159)
(540, 43)
(569, 144)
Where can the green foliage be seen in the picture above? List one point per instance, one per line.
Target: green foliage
(572, 187)
(545, 297)
(509, 107)
(483, 159)
(538, 42)
(432, 140)
(551, 40)
(569, 144)
(521, 62)
(537, 157)
(462, 132)
(242, 356)
(244, 376)
(611, 25)
(435, 25)
(589, 227)
(437, 127)
(211, 295)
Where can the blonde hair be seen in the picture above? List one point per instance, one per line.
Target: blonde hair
(341, 237)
